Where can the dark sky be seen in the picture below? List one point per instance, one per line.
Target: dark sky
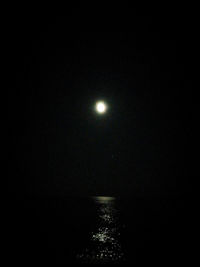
(59, 69)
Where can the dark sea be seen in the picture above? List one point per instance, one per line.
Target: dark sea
(100, 230)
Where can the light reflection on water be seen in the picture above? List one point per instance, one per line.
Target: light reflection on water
(104, 240)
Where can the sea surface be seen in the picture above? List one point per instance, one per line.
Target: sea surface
(100, 229)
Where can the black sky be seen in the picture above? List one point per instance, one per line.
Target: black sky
(58, 69)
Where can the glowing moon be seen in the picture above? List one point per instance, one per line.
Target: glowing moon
(101, 107)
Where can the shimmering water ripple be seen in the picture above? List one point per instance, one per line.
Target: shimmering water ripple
(105, 238)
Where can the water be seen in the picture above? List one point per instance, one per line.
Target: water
(104, 244)
(99, 230)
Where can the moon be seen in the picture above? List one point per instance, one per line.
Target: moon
(101, 107)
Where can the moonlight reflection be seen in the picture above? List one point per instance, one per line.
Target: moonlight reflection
(105, 238)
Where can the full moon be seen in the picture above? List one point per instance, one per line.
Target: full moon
(101, 107)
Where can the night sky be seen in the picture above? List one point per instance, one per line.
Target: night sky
(143, 145)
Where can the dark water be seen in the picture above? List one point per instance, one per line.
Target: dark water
(100, 230)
